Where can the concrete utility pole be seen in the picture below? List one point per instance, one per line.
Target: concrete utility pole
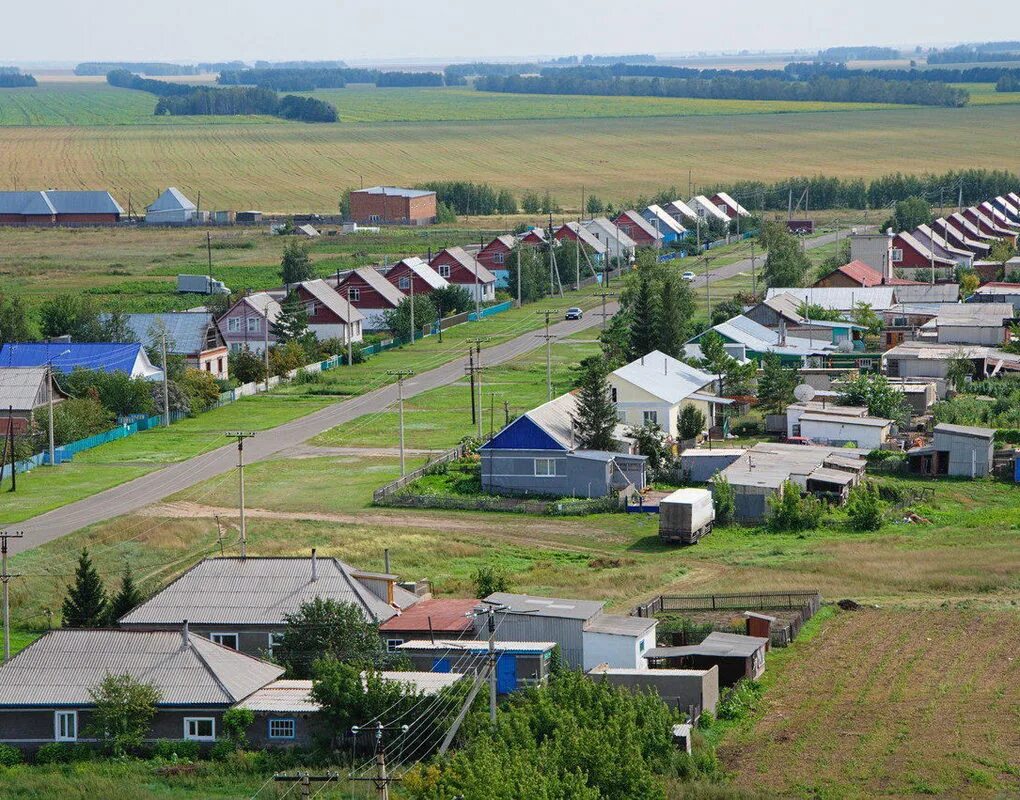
(166, 383)
(350, 330)
(5, 576)
(49, 393)
(305, 780)
(400, 374)
(471, 372)
(241, 436)
(412, 305)
(518, 248)
(9, 448)
(604, 295)
(491, 622)
(477, 342)
(265, 345)
(548, 351)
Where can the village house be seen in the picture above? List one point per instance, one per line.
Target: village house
(998, 217)
(592, 249)
(1008, 208)
(533, 236)
(941, 246)
(495, 255)
(968, 228)
(707, 210)
(840, 299)
(171, 208)
(372, 295)
(922, 359)
(693, 691)
(248, 323)
(129, 357)
(330, 315)
(667, 226)
(746, 340)
(192, 334)
(53, 207)
(460, 268)
(979, 248)
(22, 391)
(639, 229)
(391, 205)
(728, 206)
(987, 225)
(998, 292)
(618, 244)
(446, 617)
(414, 276)
(782, 313)
(681, 212)
(970, 323)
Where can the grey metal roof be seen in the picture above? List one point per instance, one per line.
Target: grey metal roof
(700, 202)
(258, 591)
(83, 202)
(621, 626)
(664, 377)
(868, 422)
(172, 199)
(733, 204)
(331, 299)
(928, 293)
(22, 387)
(840, 298)
(726, 645)
(769, 465)
(547, 606)
(758, 338)
(186, 331)
(965, 430)
(975, 314)
(827, 475)
(601, 227)
(395, 191)
(423, 270)
(26, 203)
(635, 218)
(681, 208)
(61, 667)
(556, 417)
(922, 250)
(386, 290)
(265, 304)
(585, 236)
(470, 263)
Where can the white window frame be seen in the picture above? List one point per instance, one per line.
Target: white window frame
(444, 270)
(393, 644)
(355, 294)
(404, 282)
(310, 308)
(650, 416)
(234, 325)
(252, 324)
(235, 347)
(217, 638)
(275, 640)
(61, 715)
(196, 737)
(498, 258)
(896, 254)
(374, 218)
(550, 463)
(287, 720)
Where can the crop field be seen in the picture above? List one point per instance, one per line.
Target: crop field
(984, 94)
(915, 703)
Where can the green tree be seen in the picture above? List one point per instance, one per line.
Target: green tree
(1002, 251)
(14, 325)
(531, 203)
(673, 315)
(122, 710)
(724, 499)
(235, 725)
(775, 385)
(969, 282)
(73, 315)
(594, 205)
(595, 417)
(726, 310)
(445, 214)
(327, 628)
(74, 419)
(864, 507)
(505, 202)
(958, 369)
(398, 319)
(450, 299)
(345, 203)
(247, 366)
(127, 598)
(85, 603)
(489, 578)
(790, 512)
(734, 378)
(881, 398)
(652, 443)
(863, 315)
(786, 264)
(117, 391)
(287, 357)
(691, 422)
(643, 313)
(201, 389)
(295, 266)
(292, 322)
(114, 328)
(549, 204)
(909, 214)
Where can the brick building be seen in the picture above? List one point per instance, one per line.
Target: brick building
(59, 208)
(390, 205)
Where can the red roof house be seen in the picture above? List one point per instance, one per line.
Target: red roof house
(460, 268)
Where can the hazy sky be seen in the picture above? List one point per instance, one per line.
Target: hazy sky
(193, 30)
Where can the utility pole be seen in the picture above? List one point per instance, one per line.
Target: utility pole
(506, 413)
(492, 662)
(10, 449)
(477, 342)
(382, 780)
(5, 576)
(166, 383)
(604, 295)
(265, 345)
(412, 307)
(471, 372)
(708, 287)
(208, 249)
(400, 374)
(241, 436)
(518, 248)
(350, 330)
(305, 780)
(548, 351)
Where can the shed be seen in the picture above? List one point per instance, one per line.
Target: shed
(866, 432)
(960, 450)
(737, 656)
(699, 465)
(171, 208)
(518, 664)
(692, 691)
(22, 390)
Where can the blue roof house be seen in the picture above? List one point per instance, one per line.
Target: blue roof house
(537, 454)
(67, 356)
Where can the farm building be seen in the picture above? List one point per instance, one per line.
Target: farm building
(643, 232)
(45, 689)
(586, 635)
(391, 205)
(728, 206)
(330, 315)
(866, 432)
(22, 391)
(242, 603)
(693, 691)
(247, 324)
(959, 450)
(54, 207)
(65, 357)
(371, 294)
(700, 464)
(414, 276)
(654, 388)
(931, 360)
(667, 226)
(970, 323)
(171, 208)
(446, 617)
(519, 664)
(462, 269)
(735, 655)
(192, 334)
(762, 470)
(618, 244)
(537, 454)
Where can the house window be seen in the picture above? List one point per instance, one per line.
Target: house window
(235, 347)
(393, 644)
(65, 726)
(896, 255)
(275, 640)
(219, 366)
(444, 270)
(612, 393)
(225, 639)
(899, 322)
(234, 325)
(864, 363)
(200, 729)
(651, 418)
(354, 294)
(310, 309)
(281, 728)
(498, 258)
(374, 218)
(404, 283)
(253, 324)
(641, 646)
(545, 467)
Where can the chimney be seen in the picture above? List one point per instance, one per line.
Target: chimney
(386, 560)
(185, 635)
(782, 332)
(642, 361)
(315, 567)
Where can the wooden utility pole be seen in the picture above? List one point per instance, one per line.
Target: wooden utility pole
(265, 344)
(5, 576)
(548, 351)
(604, 295)
(166, 382)
(477, 342)
(10, 449)
(305, 781)
(400, 374)
(241, 436)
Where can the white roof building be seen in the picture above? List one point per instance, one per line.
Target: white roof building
(706, 209)
(833, 298)
(171, 208)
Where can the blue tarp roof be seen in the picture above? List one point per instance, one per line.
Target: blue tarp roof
(109, 357)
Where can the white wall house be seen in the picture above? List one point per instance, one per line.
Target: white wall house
(618, 642)
(866, 432)
(171, 208)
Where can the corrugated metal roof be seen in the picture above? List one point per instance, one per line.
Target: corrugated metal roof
(733, 204)
(965, 430)
(26, 203)
(556, 418)
(760, 339)
(61, 667)
(632, 217)
(186, 331)
(926, 233)
(602, 228)
(681, 208)
(615, 625)
(768, 465)
(107, 356)
(479, 647)
(585, 237)
(83, 202)
(257, 591)
(469, 262)
(664, 377)
(390, 293)
(547, 606)
(423, 270)
(928, 293)
(331, 299)
(924, 252)
(975, 314)
(446, 615)
(21, 387)
(264, 304)
(172, 199)
(395, 191)
(701, 204)
(840, 298)
(715, 644)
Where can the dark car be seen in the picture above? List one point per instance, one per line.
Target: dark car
(574, 313)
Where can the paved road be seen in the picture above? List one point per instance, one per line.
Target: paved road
(162, 483)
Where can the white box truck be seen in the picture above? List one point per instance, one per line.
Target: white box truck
(200, 284)
(686, 515)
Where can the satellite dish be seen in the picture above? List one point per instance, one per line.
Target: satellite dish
(846, 346)
(804, 393)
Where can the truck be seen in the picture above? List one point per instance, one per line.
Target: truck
(200, 284)
(685, 516)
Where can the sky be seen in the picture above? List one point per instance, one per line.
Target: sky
(447, 30)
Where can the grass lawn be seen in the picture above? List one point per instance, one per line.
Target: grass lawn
(44, 489)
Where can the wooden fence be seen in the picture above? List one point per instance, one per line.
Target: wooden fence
(390, 488)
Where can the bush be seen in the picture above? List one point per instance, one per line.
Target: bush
(64, 753)
(9, 756)
(222, 750)
(176, 750)
(750, 427)
(864, 509)
(724, 499)
(201, 389)
(739, 701)
(790, 512)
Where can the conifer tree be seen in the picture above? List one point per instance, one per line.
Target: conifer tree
(85, 603)
(127, 597)
(642, 319)
(292, 324)
(675, 310)
(596, 413)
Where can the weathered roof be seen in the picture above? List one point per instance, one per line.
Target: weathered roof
(758, 338)
(585, 237)
(61, 667)
(421, 268)
(444, 615)
(264, 304)
(999, 288)
(726, 645)
(729, 201)
(840, 298)
(984, 219)
(395, 191)
(556, 417)
(841, 419)
(864, 274)
(936, 351)
(469, 262)
(66, 356)
(547, 606)
(255, 591)
(768, 465)
(390, 293)
(185, 330)
(828, 475)
(953, 234)
(602, 227)
(975, 314)
(616, 625)
(294, 696)
(83, 202)
(939, 240)
(965, 430)
(172, 199)
(665, 377)
(924, 252)
(20, 387)
(331, 299)
(928, 293)
(655, 212)
(681, 208)
(634, 218)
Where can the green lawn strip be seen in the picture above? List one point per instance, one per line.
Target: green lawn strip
(46, 488)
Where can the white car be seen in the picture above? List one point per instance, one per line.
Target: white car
(688, 276)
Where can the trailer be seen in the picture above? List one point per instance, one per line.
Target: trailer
(200, 284)
(686, 515)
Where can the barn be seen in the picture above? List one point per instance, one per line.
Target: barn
(393, 205)
(55, 207)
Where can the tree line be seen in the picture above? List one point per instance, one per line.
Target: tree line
(311, 78)
(865, 53)
(16, 80)
(467, 197)
(967, 54)
(823, 89)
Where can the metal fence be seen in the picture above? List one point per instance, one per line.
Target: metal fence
(755, 601)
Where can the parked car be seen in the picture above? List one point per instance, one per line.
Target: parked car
(798, 440)
(688, 276)
(574, 313)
